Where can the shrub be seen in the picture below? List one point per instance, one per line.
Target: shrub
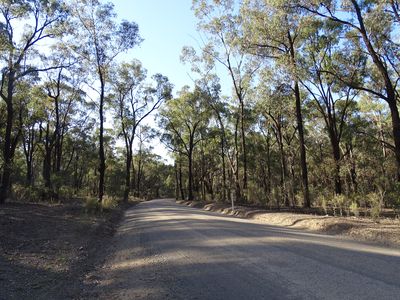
(375, 202)
(109, 202)
(66, 192)
(324, 203)
(28, 193)
(92, 204)
(299, 198)
(355, 209)
(339, 202)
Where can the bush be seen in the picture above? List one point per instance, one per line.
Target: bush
(324, 204)
(109, 202)
(66, 192)
(355, 209)
(92, 204)
(339, 202)
(23, 193)
(299, 198)
(375, 201)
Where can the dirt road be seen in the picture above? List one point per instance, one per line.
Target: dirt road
(166, 251)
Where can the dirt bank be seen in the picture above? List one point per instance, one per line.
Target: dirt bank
(46, 250)
(384, 232)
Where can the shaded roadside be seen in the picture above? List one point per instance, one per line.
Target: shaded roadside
(47, 250)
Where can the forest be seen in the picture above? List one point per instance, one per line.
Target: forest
(310, 118)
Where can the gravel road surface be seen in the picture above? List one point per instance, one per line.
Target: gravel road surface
(163, 250)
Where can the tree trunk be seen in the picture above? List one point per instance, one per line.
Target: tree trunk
(29, 148)
(300, 128)
(337, 158)
(47, 169)
(5, 179)
(223, 169)
(76, 172)
(203, 176)
(190, 174)
(127, 175)
(284, 173)
(139, 174)
(238, 192)
(176, 181)
(57, 158)
(7, 150)
(102, 162)
(396, 132)
(303, 157)
(29, 171)
(180, 182)
(47, 161)
(353, 173)
(269, 172)
(244, 151)
(222, 145)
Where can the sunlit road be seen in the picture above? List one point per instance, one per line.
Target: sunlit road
(167, 251)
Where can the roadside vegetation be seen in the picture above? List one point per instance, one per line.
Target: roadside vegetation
(312, 121)
(71, 111)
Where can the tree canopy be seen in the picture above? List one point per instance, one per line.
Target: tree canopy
(310, 117)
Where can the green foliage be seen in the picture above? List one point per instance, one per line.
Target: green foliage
(339, 202)
(374, 200)
(324, 203)
(92, 205)
(355, 209)
(22, 193)
(109, 202)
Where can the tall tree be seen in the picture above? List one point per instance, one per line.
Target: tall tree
(371, 27)
(274, 30)
(64, 94)
(133, 101)
(41, 21)
(221, 23)
(209, 82)
(183, 119)
(333, 99)
(98, 40)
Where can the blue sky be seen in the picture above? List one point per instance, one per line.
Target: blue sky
(166, 27)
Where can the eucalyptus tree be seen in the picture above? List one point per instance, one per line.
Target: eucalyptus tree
(62, 88)
(31, 135)
(333, 99)
(221, 24)
(274, 31)
(274, 96)
(145, 134)
(31, 116)
(98, 40)
(183, 120)
(371, 28)
(41, 20)
(133, 100)
(204, 66)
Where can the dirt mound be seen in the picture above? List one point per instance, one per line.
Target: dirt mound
(385, 232)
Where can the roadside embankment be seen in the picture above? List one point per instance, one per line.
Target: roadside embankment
(383, 231)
